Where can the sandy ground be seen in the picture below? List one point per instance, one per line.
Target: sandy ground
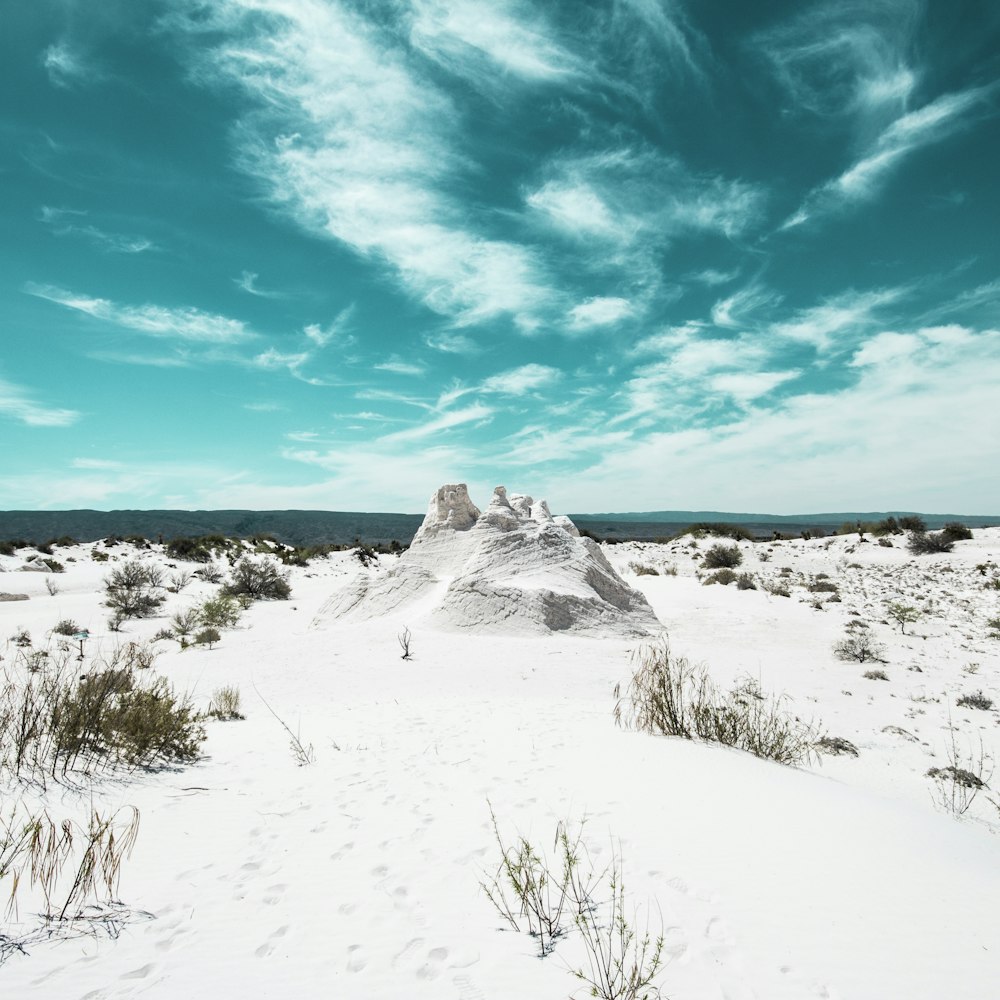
(357, 876)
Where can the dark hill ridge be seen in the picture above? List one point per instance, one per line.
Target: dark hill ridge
(315, 527)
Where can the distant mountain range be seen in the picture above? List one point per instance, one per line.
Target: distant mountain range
(315, 527)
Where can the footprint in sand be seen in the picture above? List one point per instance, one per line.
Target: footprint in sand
(434, 965)
(271, 943)
(355, 958)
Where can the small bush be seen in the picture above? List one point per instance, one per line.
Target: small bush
(670, 697)
(975, 699)
(836, 746)
(207, 637)
(876, 675)
(723, 576)
(131, 589)
(210, 573)
(225, 704)
(926, 543)
(823, 587)
(258, 579)
(66, 627)
(885, 543)
(902, 614)
(222, 611)
(913, 522)
(777, 589)
(722, 557)
(183, 623)
(860, 646)
(640, 569)
(745, 581)
(955, 531)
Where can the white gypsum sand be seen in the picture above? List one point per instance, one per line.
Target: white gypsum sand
(357, 876)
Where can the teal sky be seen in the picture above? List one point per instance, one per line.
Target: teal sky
(627, 255)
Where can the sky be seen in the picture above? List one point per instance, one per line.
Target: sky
(623, 254)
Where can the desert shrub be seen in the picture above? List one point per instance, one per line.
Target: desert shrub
(131, 589)
(185, 622)
(207, 637)
(861, 646)
(670, 697)
(221, 611)
(210, 573)
(993, 624)
(836, 746)
(641, 569)
(188, 550)
(21, 638)
(723, 576)
(902, 614)
(823, 587)
(54, 565)
(259, 579)
(876, 675)
(722, 557)
(179, 580)
(975, 699)
(225, 704)
(526, 891)
(37, 850)
(913, 522)
(98, 556)
(965, 775)
(745, 581)
(885, 543)
(926, 543)
(55, 722)
(66, 627)
(720, 530)
(955, 531)
(776, 588)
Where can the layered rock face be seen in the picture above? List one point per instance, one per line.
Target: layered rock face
(509, 568)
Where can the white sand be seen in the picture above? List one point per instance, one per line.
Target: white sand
(358, 876)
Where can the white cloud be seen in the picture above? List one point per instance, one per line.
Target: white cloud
(355, 146)
(736, 309)
(868, 445)
(18, 403)
(453, 343)
(184, 323)
(519, 381)
(599, 311)
(61, 222)
(848, 315)
(475, 39)
(66, 66)
(337, 330)
(746, 386)
(399, 367)
(864, 179)
(476, 413)
(248, 282)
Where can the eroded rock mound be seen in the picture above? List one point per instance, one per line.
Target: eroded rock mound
(512, 567)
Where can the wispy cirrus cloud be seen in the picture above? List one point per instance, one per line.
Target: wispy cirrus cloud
(599, 311)
(19, 403)
(67, 66)
(847, 59)
(865, 178)
(475, 40)
(184, 323)
(66, 222)
(397, 366)
(248, 282)
(352, 143)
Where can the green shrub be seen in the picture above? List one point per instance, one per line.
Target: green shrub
(225, 704)
(131, 589)
(823, 587)
(221, 611)
(876, 675)
(955, 531)
(259, 579)
(925, 543)
(745, 581)
(975, 699)
(670, 697)
(860, 646)
(207, 637)
(722, 557)
(66, 627)
(913, 522)
(723, 576)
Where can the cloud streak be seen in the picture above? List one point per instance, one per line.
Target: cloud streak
(18, 403)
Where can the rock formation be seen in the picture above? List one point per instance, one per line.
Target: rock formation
(509, 568)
